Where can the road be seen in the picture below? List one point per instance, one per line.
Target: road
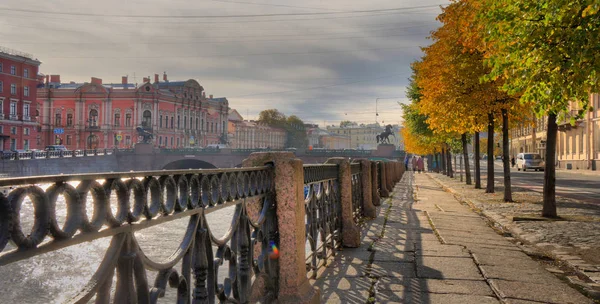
(568, 184)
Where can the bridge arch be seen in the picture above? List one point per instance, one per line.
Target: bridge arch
(188, 164)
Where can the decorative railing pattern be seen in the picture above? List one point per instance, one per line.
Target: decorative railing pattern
(323, 215)
(357, 195)
(10, 155)
(146, 199)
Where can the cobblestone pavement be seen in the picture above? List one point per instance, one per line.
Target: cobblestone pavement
(575, 240)
(426, 247)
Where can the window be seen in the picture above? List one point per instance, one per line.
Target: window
(68, 140)
(128, 139)
(57, 120)
(191, 122)
(573, 144)
(117, 120)
(212, 127)
(25, 91)
(13, 130)
(166, 122)
(13, 70)
(13, 108)
(26, 73)
(26, 131)
(69, 120)
(202, 124)
(172, 119)
(160, 137)
(177, 141)
(207, 126)
(13, 144)
(13, 89)
(185, 122)
(26, 111)
(147, 119)
(1, 86)
(26, 144)
(128, 120)
(0, 67)
(160, 123)
(178, 124)
(171, 137)
(93, 118)
(197, 120)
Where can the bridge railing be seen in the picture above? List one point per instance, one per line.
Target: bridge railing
(14, 155)
(265, 245)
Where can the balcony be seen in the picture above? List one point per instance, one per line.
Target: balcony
(92, 128)
(13, 117)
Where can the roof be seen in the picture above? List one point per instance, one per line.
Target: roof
(219, 99)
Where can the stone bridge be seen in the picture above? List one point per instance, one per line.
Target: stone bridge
(145, 158)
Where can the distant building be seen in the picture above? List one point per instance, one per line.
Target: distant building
(99, 115)
(18, 111)
(365, 136)
(323, 139)
(245, 134)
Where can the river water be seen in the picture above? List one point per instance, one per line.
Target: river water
(56, 276)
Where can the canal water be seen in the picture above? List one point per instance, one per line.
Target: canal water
(56, 276)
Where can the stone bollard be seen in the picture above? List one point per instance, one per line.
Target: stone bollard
(383, 191)
(350, 231)
(289, 196)
(375, 184)
(390, 176)
(369, 209)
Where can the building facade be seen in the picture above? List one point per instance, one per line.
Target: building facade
(98, 115)
(577, 145)
(365, 136)
(322, 139)
(18, 89)
(245, 134)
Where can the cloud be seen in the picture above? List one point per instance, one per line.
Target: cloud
(320, 67)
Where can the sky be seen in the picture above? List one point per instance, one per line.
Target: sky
(324, 61)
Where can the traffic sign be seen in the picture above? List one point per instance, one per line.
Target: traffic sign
(59, 131)
(119, 137)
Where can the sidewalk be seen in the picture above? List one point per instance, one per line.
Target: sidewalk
(435, 250)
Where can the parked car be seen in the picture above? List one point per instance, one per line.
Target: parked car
(529, 161)
(56, 148)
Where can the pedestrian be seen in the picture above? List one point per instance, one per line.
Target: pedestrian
(406, 162)
(420, 165)
(512, 161)
(414, 163)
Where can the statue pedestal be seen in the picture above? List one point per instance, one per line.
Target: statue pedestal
(142, 148)
(384, 150)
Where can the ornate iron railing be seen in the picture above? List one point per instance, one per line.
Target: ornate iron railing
(357, 197)
(146, 199)
(323, 215)
(10, 155)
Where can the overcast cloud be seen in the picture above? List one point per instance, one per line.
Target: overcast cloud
(323, 68)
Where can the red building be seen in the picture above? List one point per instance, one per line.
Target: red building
(18, 88)
(106, 115)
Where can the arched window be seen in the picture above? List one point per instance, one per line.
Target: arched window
(93, 119)
(147, 119)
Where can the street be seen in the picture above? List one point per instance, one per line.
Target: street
(568, 184)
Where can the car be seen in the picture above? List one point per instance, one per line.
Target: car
(529, 161)
(56, 148)
(498, 157)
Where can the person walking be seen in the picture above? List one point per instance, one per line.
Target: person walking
(420, 165)
(406, 162)
(512, 161)
(414, 163)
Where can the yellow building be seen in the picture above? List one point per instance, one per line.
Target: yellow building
(364, 136)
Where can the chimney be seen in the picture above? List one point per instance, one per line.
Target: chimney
(155, 78)
(146, 79)
(210, 96)
(124, 80)
(55, 78)
(96, 80)
(165, 76)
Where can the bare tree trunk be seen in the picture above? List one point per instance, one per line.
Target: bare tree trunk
(477, 158)
(460, 167)
(549, 209)
(437, 162)
(443, 161)
(449, 163)
(463, 138)
(490, 151)
(506, 158)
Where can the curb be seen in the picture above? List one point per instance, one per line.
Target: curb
(573, 262)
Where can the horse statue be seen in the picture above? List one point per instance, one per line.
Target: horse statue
(147, 136)
(384, 136)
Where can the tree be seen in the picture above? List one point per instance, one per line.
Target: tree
(547, 51)
(296, 133)
(346, 123)
(272, 117)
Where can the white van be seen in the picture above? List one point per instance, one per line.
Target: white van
(529, 161)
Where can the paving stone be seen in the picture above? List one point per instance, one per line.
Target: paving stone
(547, 292)
(392, 269)
(419, 285)
(447, 268)
(522, 275)
(410, 297)
(344, 290)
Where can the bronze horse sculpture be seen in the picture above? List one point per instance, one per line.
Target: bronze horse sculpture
(147, 136)
(384, 136)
